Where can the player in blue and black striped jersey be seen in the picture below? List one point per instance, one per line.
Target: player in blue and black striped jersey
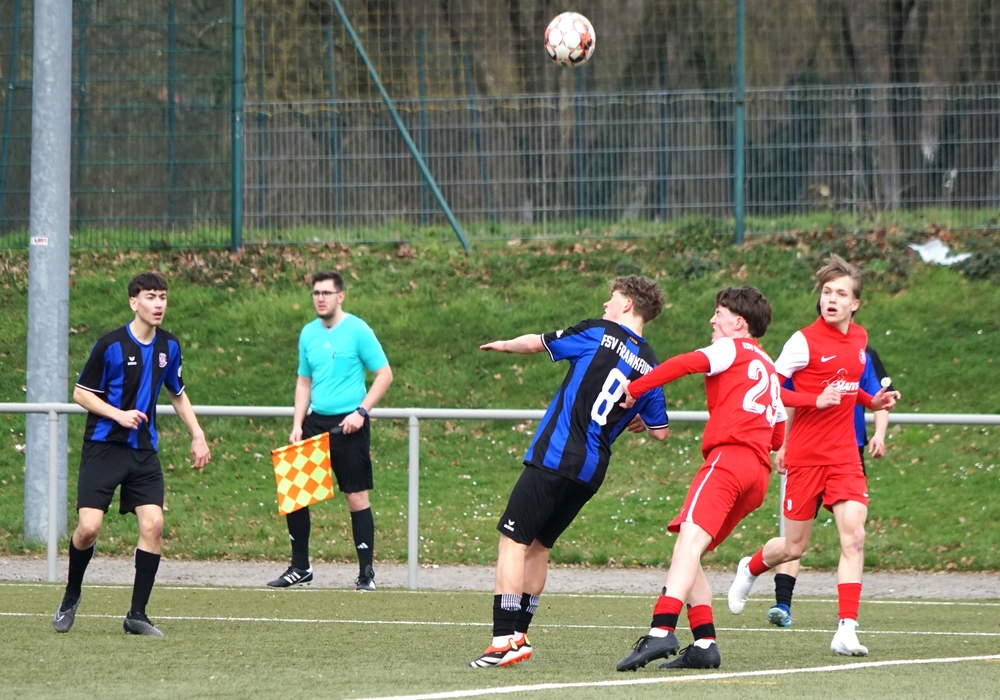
(119, 387)
(568, 457)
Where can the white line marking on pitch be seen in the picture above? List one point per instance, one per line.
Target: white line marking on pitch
(438, 623)
(598, 595)
(681, 679)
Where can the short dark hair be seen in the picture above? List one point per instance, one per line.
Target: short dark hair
(749, 303)
(646, 295)
(146, 281)
(323, 275)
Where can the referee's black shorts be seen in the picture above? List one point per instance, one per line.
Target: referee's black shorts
(104, 466)
(541, 506)
(350, 454)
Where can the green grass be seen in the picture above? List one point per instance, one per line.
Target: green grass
(933, 497)
(338, 644)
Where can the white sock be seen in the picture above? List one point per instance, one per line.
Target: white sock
(704, 643)
(501, 641)
(658, 632)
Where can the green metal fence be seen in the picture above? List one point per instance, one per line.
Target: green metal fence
(861, 112)
(151, 146)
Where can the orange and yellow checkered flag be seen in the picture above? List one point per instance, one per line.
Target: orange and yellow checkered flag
(303, 473)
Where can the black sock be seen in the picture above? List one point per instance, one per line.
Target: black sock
(529, 604)
(506, 608)
(783, 587)
(78, 561)
(363, 525)
(298, 532)
(146, 564)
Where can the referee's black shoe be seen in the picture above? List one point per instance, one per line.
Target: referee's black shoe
(647, 649)
(366, 581)
(696, 657)
(292, 577)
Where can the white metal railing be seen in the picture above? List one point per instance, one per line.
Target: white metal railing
(413, 416)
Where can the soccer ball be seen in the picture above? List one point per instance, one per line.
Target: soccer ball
(570, 39)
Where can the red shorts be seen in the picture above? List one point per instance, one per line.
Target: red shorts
(806, 488)
(730, 485)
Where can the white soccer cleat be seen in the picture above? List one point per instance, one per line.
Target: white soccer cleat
(845, 641)
(740, 590)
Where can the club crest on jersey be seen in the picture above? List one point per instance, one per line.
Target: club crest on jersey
(163, 360)
(861, 355)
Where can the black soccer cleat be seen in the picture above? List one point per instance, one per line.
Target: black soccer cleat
(648, 648)
(292, 577)
(138, 623)
(366, 581)
(696, 657)
(66, 614)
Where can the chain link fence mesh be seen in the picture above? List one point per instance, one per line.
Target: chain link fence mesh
(863, 113)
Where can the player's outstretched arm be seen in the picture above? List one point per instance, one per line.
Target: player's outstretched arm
(521, 345)
(92, 402)
(199, 446)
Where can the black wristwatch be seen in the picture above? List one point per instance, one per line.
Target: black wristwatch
(362, 412)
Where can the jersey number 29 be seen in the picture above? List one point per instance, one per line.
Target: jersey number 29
(751, 401)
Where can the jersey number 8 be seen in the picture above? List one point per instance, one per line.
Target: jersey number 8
(607, 399)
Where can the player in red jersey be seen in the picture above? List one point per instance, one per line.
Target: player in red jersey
(825, 360)
(746, 422)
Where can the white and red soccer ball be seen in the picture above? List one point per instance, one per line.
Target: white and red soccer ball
(570, 39)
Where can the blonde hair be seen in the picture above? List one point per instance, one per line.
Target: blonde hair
(835, 268)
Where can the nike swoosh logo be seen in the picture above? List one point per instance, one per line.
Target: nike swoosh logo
(824, 358)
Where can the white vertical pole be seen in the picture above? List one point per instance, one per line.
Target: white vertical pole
(413, 508)
(48, 250)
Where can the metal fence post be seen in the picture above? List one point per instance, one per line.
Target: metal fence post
(413, 507)
(236, 155)
(53, 534)
(739, 119)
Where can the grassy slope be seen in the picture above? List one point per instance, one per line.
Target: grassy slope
(239, 319)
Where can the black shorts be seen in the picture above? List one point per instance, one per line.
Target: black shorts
(350, 454)
(104, 466)
(541, 506)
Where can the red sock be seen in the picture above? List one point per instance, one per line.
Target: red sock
(665, 612)
(701, 621)
(849, 599)
(757, 565)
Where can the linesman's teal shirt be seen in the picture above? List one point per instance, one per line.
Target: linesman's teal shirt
(336, 359)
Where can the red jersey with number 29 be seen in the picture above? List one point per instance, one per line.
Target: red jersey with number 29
(742, 389)
(815, 357)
